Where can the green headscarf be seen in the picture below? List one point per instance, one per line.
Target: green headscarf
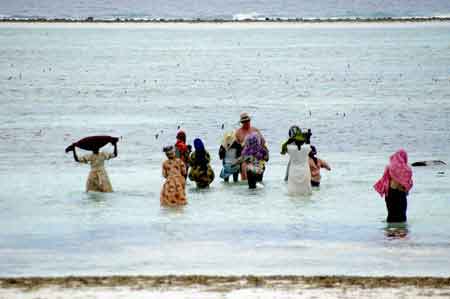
(295, 135)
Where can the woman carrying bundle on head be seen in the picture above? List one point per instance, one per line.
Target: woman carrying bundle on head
(255, 154)
(394, 185)
(98, 179)
(229, 153)
(174, 171)
(201, 172)
(299, 174)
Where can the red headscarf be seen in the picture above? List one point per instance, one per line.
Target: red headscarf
(181, 144)
(399, 170)
(181, 135)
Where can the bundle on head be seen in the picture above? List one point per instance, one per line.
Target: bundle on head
(92, 143)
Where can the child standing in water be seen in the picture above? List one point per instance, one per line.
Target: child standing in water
(394, 185)
(229, 153)
(315, 164)
(201, 172)
(255, 154)
(174, 171)
(98, 179)
(299, 174)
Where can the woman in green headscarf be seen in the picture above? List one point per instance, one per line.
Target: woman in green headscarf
(299, 174)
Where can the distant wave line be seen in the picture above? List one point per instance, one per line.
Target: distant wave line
(236, 20)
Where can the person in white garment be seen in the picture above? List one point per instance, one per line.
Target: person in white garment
(299, 174)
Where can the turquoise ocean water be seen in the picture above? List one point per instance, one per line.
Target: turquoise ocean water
(365, 90)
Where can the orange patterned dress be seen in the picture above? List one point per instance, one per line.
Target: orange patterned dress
(172, 192)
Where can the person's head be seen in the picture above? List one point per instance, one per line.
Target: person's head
(245, 120)
(181, 135)
(169, 151)
(198, 145)
(313, 152)
(228, 139)
(295, 134)
(400, 156)
(294, 131)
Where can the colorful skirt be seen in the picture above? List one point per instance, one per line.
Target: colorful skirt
(173, 191)
(202, 177)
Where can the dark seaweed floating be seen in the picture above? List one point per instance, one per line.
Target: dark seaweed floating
(428, 163)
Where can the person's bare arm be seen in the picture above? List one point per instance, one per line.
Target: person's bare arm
(75, 157)
(115, 149)
(325, 165)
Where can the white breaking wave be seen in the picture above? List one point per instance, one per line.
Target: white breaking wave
(248, 16)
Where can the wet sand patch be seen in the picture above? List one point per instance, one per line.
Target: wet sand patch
(225, 283)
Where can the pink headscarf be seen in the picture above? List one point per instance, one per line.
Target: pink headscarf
(399, 170)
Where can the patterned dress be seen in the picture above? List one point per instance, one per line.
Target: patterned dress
(202, 175)
(98, 179)
(172, 192)
(241, 135)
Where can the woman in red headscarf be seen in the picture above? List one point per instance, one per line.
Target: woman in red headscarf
(182, 150)
(394, 185)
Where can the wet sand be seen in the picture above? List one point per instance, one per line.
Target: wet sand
(201, 286)
(229, 281)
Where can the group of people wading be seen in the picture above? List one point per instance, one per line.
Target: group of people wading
(244, 153)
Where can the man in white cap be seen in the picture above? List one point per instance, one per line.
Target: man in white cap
(241, 133)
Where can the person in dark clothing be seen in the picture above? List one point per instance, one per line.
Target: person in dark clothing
(395, 185)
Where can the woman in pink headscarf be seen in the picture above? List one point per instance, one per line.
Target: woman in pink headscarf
(394, 185)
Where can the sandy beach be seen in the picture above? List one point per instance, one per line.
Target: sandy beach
(224, 287)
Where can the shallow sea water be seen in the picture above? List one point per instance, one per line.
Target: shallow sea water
(365, 90)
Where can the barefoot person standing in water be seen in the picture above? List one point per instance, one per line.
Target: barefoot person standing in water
(299, 173)
(98, 179)
(229, 153)
(241, 133)
(182, 149)
(394, 185)
(174, 171)
(201, 171)
(255, 155)
(315, 164)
